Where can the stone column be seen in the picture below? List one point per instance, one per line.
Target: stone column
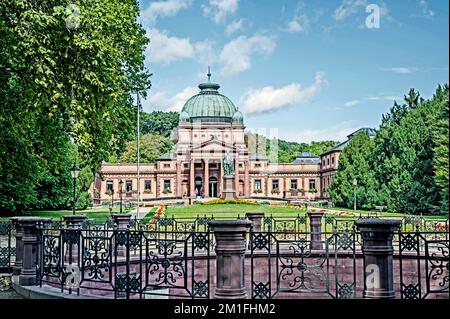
(19, 245)
(206, 178)
(230, 257)
(74, 223)
(256, 219)
(246, 179)
(30, 233)
(315, 227)
(191, 178)
(378, 256)
(178, 190)
(236, 176)
(122, 222)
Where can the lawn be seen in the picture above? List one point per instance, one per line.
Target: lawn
(227, 210)
(95, 213)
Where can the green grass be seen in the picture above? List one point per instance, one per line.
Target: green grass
(387, 214)
(95, 213)
(226, 210)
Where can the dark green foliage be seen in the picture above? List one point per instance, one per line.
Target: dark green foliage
(159, 122)
(59, 85)
(406, 163)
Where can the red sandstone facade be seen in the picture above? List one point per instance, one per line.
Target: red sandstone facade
(194, 169)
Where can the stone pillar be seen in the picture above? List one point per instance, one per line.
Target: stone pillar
(74, 222)
(236, 176)
(230, 257)
(315, 228)
(30, 233)
(122, 222)
(378, 256)
(178, 190)
(191, 178)
(19, 245)
(206, 179)
(256, 219)
(246, 179)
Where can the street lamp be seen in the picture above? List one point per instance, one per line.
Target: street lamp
(355, 183)
(74, 172)
(120, 193)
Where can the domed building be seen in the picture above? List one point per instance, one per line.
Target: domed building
(210, 126)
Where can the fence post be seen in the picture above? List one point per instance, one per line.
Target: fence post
(74, 222)
(378, 251)
(315, 226)
(122, 221)
(29, 227)
(230, 257)
(256, 219)
(19, 246)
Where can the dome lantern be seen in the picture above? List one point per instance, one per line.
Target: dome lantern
(209, 105)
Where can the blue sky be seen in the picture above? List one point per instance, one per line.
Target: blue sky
(311, 70)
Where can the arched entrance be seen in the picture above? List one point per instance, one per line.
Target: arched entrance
(198, 182)
(212, 186)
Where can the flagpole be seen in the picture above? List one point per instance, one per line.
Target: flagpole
(138, 154)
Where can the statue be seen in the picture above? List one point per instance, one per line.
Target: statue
(228, 164)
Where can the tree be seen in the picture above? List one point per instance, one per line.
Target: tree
(158, 122)
(151, 147)
(354, 164)
(62, 82)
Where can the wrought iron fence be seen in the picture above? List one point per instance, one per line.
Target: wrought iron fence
(282, 267)
(126, 264)
(7, 245)
(424, 264)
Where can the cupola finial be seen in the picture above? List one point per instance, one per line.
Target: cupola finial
(209, 74)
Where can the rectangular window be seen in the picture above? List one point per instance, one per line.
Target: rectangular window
(332, 160)
(275, 184)
(166, 165)
(186, 165)
(312, 184)
(258, 165)
(167, 184)
(147, 185)
(258, 185)
(198, 165)
(294, 184)
(109, 186)
(328, 161)
(128, 186)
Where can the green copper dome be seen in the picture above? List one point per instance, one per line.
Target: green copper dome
(209, 105)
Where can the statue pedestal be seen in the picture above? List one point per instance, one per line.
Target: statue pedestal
(228, 188)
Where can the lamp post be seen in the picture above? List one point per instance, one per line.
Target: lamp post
(355, 183)
(120, 193)
(74, 172)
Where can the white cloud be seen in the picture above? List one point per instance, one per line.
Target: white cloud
(384, 98)
(300, 23)
(426, 11)
(235, 55)
(352, 103)
(399, 70)
(161, 100)
(268, 99)
(348, 8)
(334, 133)
(218, 10)
(164, 49)
(234, 26)
(166, 8)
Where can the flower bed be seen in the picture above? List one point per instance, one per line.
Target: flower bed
(229, 201)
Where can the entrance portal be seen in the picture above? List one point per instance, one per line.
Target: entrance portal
(198, 186)
(212, 186)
